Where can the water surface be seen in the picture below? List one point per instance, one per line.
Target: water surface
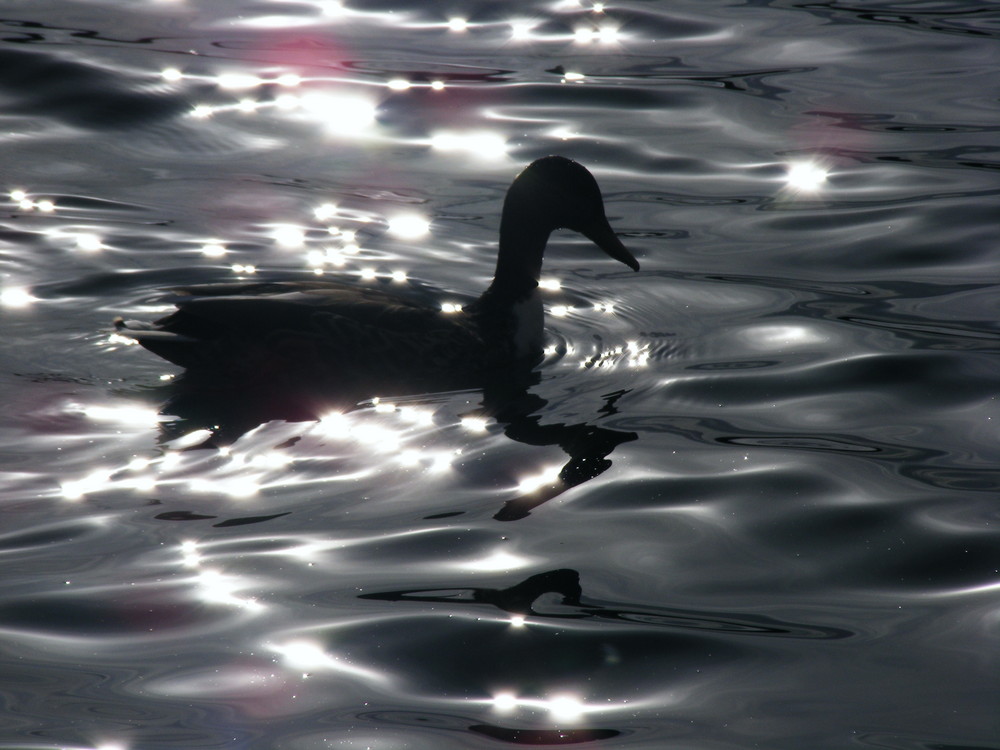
(776, 524)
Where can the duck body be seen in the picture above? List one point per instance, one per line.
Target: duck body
(335, 334)
(356, 337)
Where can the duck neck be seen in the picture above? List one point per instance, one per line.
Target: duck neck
(522, 245)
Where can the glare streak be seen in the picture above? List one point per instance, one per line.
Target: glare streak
(482, 144)
(238, 81)
(533, 483)
(562, 708)
(125, 415)
(216, 588)
(306, 656)
(497, 561)
(16, 297)
(213, 249)
(474, 424)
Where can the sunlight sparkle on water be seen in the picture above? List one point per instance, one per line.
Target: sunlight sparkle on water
(289, 236)
(532, 483)
(806, 176)
(125, 414)
(521, 28)
(94, 482)
(326, 211)
(307, 656)
(331, 7)
(504, 702)
(383, 407)
(495, 562)
(608, 34)
(189, 554)
(343, 114)
(416, 415)
(26, 203)
(474, 424)
(88, 242)
(409, 226)
(482, 144)
(189, 440)
(238, 81)
(216, 588)
(566, 708)
(782, 336)
(16, 296)
(213, 249)
(562, 708)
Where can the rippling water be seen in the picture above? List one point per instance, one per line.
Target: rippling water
(752, 500)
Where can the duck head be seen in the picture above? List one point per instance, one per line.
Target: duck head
(552, 193)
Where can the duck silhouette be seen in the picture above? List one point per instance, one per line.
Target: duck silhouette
(360, 339)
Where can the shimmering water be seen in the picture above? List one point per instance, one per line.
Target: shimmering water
(777, 521)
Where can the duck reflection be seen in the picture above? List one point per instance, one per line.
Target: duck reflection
(521, 600)
(225, 413)
(293, 351)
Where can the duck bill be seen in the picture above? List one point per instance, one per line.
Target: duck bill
(605, 238)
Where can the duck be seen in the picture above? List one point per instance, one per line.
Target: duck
(358, 338)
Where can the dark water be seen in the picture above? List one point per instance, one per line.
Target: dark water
(782, 530)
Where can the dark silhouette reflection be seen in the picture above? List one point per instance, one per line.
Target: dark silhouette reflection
(587, 446)
(521, 599)
(453, 723)
(543, 736)
(228, 410)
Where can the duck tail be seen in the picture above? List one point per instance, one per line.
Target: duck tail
(173, 347)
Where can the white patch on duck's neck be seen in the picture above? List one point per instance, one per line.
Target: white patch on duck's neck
(529, 324)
